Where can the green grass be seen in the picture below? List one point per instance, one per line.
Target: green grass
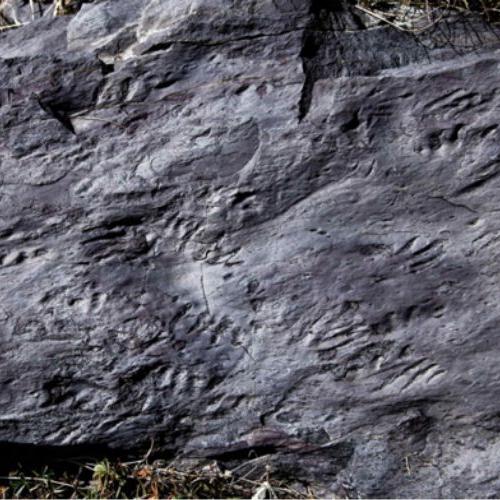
(142, 479)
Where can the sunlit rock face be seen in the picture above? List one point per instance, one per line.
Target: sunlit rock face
(254, 225)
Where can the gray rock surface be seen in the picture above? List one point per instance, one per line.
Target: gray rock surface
(254, 227)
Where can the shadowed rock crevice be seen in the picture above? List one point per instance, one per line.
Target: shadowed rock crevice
(36, 457)
(325, 20)
(60, 114)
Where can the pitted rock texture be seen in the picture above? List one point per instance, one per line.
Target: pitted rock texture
(254, 225)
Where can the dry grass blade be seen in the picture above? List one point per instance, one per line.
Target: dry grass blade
(10, 26)
(265, 490)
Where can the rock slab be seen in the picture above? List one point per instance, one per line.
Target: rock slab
(254, 227)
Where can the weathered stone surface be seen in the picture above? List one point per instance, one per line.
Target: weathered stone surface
(253, 224)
